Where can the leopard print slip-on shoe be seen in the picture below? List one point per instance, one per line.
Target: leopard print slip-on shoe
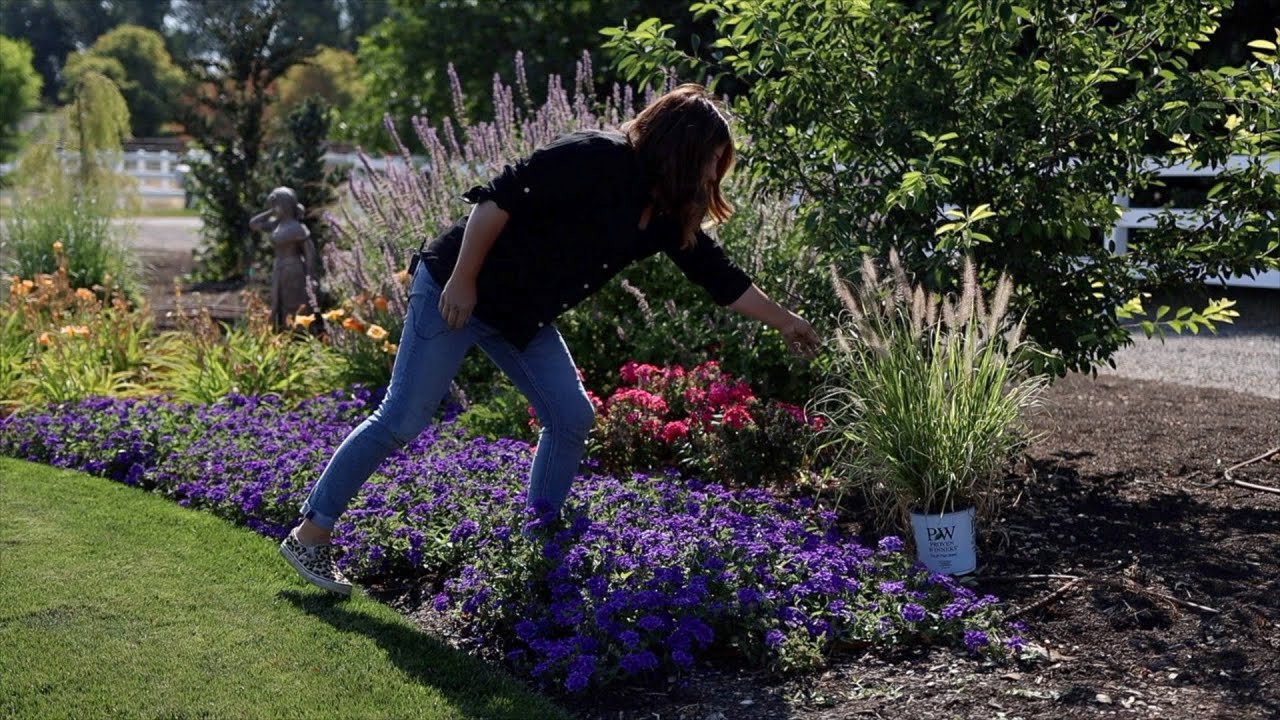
(317, 565)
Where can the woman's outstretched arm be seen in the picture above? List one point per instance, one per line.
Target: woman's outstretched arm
(799, 334)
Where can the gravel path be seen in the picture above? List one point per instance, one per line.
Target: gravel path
(1243, 356)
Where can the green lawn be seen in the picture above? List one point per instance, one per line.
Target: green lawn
(115, 603)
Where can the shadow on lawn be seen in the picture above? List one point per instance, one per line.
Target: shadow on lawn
(420, 656)
(1196, 544)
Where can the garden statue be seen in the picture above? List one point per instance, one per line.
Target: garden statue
(295, 266)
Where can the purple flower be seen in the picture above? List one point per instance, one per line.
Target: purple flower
(774, 638)
(891, 544)
(638, 662)
(890, 587)
(913, 613)
(975, 639)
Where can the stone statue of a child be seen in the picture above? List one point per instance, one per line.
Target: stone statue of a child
(295, 267)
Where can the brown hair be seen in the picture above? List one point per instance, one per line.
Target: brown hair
(675, 137)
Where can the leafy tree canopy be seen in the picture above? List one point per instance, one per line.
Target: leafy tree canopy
(1004, 131)
(19, 90)
(136, 59)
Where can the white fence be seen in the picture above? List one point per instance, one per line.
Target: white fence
(160, 180)
(1139, 218)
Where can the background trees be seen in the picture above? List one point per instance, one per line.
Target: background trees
(136, 58)
(225, 114)
(19, 90)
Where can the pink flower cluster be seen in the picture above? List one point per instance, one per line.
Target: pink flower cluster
(692, 419)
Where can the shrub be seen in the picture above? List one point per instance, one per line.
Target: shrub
(704, 422)
(1026, 120)
(203, 360)
(364, 331)
(66, 193)
(60, 342)
(925, 394)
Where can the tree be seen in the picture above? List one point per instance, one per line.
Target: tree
(19, 90)
(405, 58)
(299, 163)
(57, 28)
(1022, 121)
(225, 116)
(330, 74)
(49, 33)
(313, 23)
(136, 58)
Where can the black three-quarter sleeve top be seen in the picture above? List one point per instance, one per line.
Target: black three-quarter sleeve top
(575, 207)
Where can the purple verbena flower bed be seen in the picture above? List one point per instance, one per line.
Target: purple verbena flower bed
(638, 577)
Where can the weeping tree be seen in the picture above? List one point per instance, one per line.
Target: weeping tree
(67, 191)
(225, 115)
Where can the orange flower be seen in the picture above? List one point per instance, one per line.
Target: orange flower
(304, 320)
(380, 303)
(353, 325)
(333, 315)
(45, 339)
(390, 348)
(77, 330)
(84, 293)
(19, 287)
(377, 332)
(57, 246)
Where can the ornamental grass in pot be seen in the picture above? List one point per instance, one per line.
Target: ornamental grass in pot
(925, 397)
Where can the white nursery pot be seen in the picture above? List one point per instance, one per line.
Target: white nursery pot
(946, 543)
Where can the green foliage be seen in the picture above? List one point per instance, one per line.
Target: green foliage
(924, 395)
(226, 119)
(1026, 119)
(204, 360)
(330, 74)
(136, 58)
(19, 91)
(504, 413)
(299, 163)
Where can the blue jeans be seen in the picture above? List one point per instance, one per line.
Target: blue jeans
(429, 357)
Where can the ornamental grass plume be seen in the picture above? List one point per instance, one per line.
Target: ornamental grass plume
(926, 392)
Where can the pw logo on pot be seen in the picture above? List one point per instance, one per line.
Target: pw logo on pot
(942, 533)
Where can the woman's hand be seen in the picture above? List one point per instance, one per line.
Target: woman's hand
(800, 336)
(457, 301)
